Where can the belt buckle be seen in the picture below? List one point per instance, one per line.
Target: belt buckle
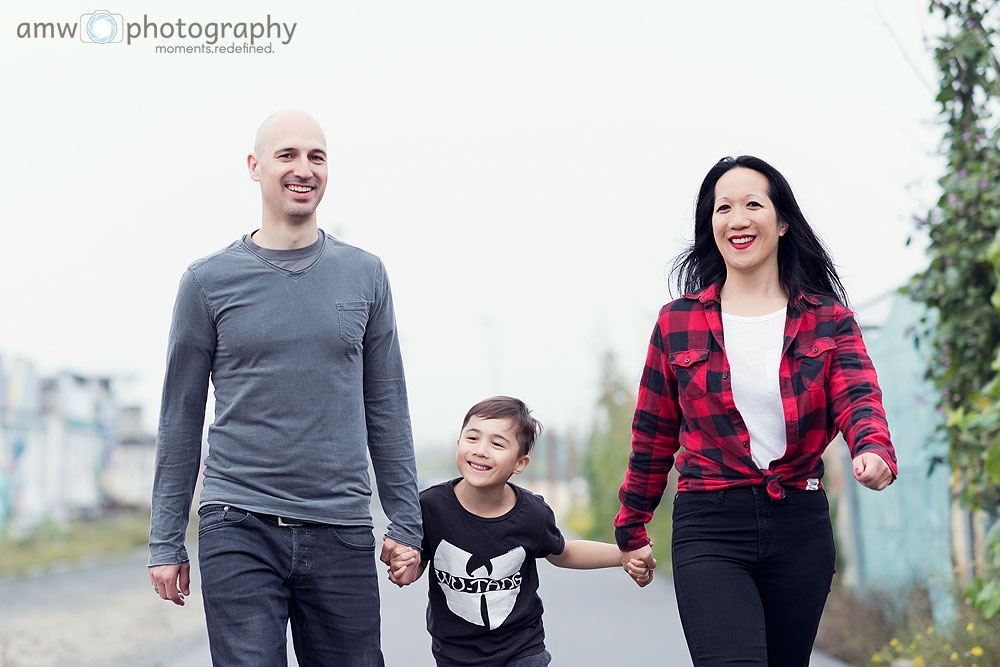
(289, 524)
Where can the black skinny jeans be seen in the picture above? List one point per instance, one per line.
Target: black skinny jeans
(751, 574)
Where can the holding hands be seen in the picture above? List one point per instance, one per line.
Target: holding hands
(403, 562)
(639, 563)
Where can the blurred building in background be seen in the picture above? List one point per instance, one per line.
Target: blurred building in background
(68, 448)
(915, 532)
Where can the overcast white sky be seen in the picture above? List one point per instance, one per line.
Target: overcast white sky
(526, 169)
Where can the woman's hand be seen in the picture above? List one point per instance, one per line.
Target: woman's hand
(645, 555)
(872, 471)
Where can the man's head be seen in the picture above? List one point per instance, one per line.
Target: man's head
(289, 162)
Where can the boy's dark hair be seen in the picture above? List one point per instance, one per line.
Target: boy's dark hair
(526, 427)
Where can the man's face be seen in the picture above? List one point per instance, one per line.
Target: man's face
(289, 161)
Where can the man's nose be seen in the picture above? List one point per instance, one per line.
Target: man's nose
(303, 168)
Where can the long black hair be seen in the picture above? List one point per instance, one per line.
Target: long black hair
(804, 263)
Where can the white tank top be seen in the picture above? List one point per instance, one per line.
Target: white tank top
(753, 346)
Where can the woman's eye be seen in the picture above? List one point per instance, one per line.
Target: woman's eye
(724, 207)
(753, 204)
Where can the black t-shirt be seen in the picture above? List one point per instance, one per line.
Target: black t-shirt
(483, 607)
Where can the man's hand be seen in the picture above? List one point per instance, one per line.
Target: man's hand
(872, 471)
(403, 561)
(172, 582)
(642, 569)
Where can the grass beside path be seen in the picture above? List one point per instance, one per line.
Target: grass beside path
(77, 540)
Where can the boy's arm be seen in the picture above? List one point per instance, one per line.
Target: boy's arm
(587, 555)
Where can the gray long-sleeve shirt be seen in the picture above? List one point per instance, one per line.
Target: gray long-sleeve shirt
(307, 375)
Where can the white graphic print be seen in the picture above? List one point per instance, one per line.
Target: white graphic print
(497, 583)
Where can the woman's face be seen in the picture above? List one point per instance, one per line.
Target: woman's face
(745, 223)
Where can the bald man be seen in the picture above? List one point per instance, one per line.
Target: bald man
(296, 332)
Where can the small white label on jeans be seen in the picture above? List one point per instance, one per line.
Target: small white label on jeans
(812, 485)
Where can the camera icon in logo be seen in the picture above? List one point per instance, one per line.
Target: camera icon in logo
(102, 27)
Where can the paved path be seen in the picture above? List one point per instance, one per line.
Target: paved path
(586, 615)
(104, 614)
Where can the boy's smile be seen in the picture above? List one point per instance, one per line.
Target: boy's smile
(489, 453)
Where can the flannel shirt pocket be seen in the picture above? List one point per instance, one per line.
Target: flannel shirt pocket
(813, 357)
(691, 370)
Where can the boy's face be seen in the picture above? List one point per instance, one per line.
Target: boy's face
(488, 452)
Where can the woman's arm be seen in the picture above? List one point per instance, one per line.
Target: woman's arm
(655, 429)
(856, 401)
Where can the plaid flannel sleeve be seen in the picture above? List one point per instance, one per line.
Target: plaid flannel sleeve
(655, 429)
(856, 399)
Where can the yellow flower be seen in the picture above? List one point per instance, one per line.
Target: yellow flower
(913, 646)
(920, 637)
(954, 656)
(876, 658)
(895, 642)
(918, 661)
(970, 627)
(930, 629)
(977, 651)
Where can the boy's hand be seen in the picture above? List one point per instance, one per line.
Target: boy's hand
(403, 561)
(643, 555)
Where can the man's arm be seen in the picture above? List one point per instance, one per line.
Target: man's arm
(190, 349)
(390, 440)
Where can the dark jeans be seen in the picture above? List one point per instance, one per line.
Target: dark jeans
(257, 575)
(751, 574)
(538, 660)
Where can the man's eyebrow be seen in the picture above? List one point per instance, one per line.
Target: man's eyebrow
(290, 149)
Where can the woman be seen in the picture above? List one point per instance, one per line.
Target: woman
(751, 374)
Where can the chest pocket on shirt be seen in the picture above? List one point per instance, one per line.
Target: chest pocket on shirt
(691, 369)
(812, 357)
(353, 317)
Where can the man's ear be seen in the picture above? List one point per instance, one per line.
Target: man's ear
(252, 165)
(522, 463)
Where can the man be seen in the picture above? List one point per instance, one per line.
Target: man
(297, 333)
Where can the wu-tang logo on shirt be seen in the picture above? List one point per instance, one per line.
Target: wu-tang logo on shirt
(481, 594)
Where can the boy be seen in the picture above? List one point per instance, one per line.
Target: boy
(481, 537)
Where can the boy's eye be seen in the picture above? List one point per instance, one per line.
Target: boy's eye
(498, 444)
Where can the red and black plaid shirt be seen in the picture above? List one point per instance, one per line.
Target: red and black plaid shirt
(827, 383)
